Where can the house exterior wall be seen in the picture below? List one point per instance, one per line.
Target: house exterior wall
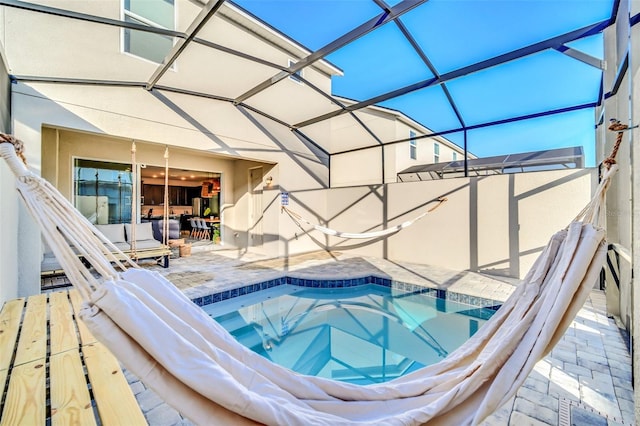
(8, 200)
(73, 48)
(70, 144)
(619, 201)
(92, 51)
(356, 168)
(634, 137)
(135, 114)
(623, 212)
(61, 146)
(425, 153)
(302, 173)
(388, 127)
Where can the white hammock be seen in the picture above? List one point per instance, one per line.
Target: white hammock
(197, 367)
(362, 235)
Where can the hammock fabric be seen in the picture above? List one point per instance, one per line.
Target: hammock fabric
(362, 235)
(197, 367)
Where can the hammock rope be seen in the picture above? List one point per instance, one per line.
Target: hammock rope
(297, 218)
(196, 366)
(594, 206)
(66, 231)
(615, 126)
(165, 211)
(134, 197)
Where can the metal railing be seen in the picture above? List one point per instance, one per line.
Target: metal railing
(615, 252)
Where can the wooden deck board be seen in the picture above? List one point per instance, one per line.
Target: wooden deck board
(12, 310)
(86, 338)
(116, 403)
(8, 341)
(62, 329)
(3, 378)
(70, 400)
(33, 335)
(10, 317)
(25, 402)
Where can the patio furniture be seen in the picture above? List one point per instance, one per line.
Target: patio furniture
(158, 226)
(195, 229)
(205, 231)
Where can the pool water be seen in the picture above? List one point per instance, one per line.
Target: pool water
(364, 334)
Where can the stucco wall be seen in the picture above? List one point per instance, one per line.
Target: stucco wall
(619, 201)
(180, 122)
(77, 49)
(61, 146)
(8, 201)
(72, 144)
(628, 38)
(634, 137)
(622, 41)
(622, 211)
(424, 151)
(494, 224)
(388, 127)
(357, 168)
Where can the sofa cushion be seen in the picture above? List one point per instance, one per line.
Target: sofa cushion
(123, 246)
(174, 229)
(148, 244)
(143, 231)
(113, 232)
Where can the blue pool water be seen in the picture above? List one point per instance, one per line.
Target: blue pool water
(364, 334)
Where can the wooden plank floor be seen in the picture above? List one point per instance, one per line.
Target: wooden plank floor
(53, 371)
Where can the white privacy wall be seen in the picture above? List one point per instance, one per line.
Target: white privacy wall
(496, 224)
(8, 203)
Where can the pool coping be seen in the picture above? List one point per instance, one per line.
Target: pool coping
(441, 294)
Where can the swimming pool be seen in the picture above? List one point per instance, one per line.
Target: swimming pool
(367, 333)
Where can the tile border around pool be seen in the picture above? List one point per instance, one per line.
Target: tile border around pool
(476, 301)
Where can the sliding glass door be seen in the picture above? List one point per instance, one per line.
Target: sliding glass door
(102, 191)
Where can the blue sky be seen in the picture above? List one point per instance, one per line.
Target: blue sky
(454, 34)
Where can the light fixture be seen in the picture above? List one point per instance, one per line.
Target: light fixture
(269, 180)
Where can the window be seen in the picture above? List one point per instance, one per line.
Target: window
(454, 156)
(413, 145)
(102, 191)
(153, 13)
(296, 75)
(436, 152)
